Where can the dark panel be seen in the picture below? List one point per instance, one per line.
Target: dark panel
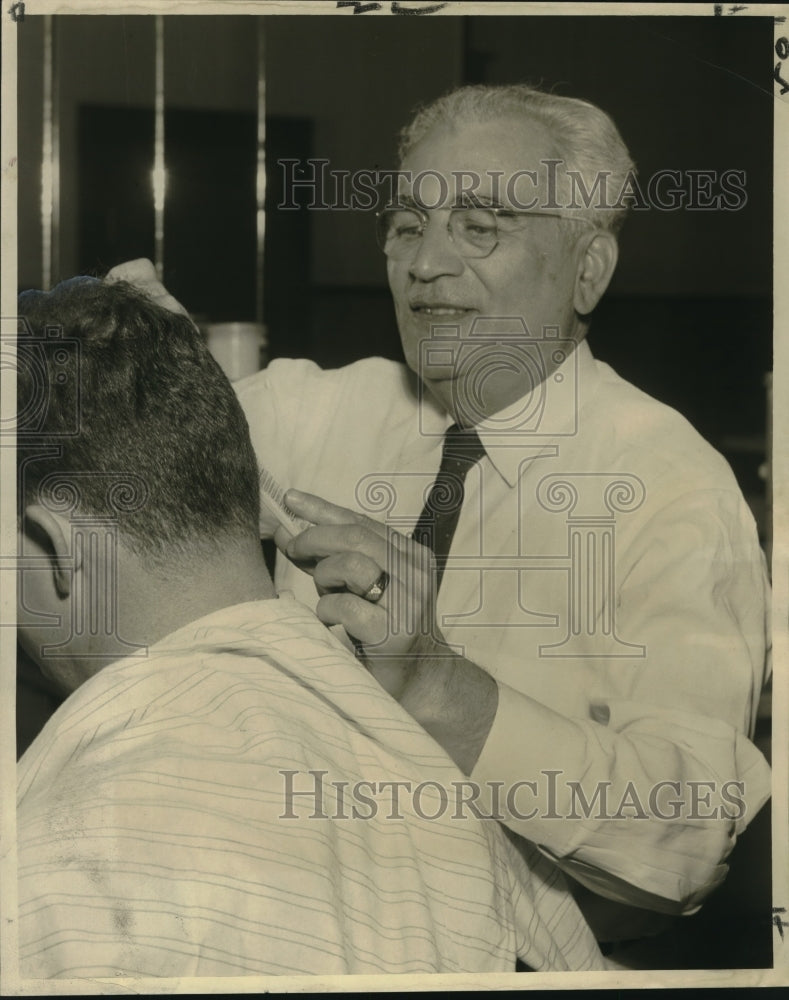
(210, 228)
(114, 191)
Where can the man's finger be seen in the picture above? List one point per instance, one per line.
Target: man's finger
(142, 274)
(353, 570)
(366, 622)
(329, 540)
(137, 272)
(319, 511)
(282, 539)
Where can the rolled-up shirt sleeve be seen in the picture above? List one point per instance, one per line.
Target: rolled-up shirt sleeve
(642, 799)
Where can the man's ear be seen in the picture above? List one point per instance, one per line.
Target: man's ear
(595, 269)
(50, 532)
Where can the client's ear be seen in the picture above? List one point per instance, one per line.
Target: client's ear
(50, 532)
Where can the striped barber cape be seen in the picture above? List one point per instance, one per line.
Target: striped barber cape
(246, 800)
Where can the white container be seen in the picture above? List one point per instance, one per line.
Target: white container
(237, 347)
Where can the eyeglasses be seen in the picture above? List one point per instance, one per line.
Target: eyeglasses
(475, 231)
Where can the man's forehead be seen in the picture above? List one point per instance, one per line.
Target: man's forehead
(477, 161)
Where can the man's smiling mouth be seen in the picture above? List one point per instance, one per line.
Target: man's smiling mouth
(439, 309)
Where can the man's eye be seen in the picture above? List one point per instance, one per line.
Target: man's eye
(405, 225)
(476, 220)
(478, 227)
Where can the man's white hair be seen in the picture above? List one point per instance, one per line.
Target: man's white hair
(587, 140)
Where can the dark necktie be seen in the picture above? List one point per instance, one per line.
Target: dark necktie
(439, 517)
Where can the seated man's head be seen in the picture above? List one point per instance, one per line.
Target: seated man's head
(137, 482)
(554, 169)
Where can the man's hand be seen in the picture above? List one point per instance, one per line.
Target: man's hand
(448, 695)
(346, 553)
(142, 274)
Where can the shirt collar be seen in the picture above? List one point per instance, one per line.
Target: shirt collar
(535, 424)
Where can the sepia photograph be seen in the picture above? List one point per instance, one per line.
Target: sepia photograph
(394, 496)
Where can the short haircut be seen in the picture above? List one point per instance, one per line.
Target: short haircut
(586, 138)
(139, 422)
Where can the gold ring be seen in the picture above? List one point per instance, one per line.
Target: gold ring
(375, 592)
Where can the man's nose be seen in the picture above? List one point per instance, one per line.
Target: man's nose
(437, 254)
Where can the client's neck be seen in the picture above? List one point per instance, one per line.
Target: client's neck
(165, 597)
(157, 598)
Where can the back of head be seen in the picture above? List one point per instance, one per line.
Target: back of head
(587, 140)
(125, 415)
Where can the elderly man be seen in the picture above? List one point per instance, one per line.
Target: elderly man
(215, 795)
(592, 646)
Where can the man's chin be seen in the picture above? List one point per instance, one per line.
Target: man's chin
(442, 389)
(437, 375)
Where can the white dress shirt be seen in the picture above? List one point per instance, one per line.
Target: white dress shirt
(605, 571)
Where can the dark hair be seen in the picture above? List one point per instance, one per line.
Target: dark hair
(124, 413)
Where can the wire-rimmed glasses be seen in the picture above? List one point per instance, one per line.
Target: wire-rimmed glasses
(475, 230)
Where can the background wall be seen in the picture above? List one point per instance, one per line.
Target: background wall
(687, 93)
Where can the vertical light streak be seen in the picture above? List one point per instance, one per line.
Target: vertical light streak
(260, 177)
(55, 171)
(50, 173)
(159, 175)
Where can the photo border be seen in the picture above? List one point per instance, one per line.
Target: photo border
(10, 983)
